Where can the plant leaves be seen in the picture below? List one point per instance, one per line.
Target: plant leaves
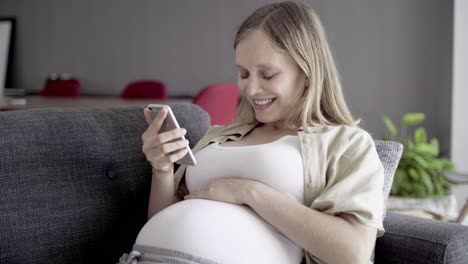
(419, 172)
(447, 165)
(400, 176)
(427, 149)
(413, 174)
(420, 136)
(427, 181)
(413, 118)
(439, 190)
(435, 164)
(420, 190)
(420, 161)
(390, 126)
(435, 144)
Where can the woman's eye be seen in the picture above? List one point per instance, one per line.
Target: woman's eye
(268, 77)
(244, 76)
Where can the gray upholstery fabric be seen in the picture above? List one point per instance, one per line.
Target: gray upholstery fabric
(389, 154)
(75, 183)
(74, 188)
(415, 240)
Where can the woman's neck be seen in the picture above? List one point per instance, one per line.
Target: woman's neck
(277, 128)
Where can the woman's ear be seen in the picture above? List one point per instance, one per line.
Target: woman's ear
(307, 82)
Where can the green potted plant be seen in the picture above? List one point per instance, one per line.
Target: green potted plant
(420, 173)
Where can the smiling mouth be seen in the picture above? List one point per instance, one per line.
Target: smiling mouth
(264, 102)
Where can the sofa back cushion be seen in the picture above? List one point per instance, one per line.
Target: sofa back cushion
(75, 183)
(389, 153)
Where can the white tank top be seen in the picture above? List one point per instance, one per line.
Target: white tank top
(225, 232)
(277, 164)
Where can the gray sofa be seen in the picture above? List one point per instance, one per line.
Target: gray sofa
(74, 189)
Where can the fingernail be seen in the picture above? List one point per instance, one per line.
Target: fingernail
(184, 131)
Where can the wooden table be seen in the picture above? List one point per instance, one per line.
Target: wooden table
(35, 101)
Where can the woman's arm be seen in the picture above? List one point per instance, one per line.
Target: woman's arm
(161, 151)
(161, 193)
(334, 239)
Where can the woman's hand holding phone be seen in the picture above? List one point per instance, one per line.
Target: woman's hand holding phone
(162, 149)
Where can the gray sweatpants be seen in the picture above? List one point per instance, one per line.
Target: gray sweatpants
(152, 255)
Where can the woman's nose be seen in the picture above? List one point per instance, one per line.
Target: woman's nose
(252, 86)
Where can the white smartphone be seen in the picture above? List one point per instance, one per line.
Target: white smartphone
(170, 123)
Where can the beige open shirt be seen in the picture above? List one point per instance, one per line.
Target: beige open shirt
(342, 171)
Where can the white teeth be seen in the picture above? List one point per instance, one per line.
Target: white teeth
(264, 102)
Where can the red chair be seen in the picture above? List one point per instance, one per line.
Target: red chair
(61, 88)
(145, 90)
(220, 101)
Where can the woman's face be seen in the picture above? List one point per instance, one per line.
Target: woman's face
(271, 81)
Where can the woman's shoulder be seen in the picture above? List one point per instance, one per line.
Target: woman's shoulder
(341, 141)
(341, 135)
(338, 130)
(226, 130)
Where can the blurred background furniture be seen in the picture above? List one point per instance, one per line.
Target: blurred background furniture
(145, 89)
(447, 207)
(61, 88)
(220, 101)
(463, 216)
(9, 103)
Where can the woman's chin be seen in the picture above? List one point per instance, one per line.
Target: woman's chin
(263, 119)
(264, 116)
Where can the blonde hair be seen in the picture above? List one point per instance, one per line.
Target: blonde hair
(295, 30)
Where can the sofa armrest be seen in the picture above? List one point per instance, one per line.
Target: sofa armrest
(410, 239)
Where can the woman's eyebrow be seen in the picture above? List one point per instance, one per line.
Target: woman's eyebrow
(262, 66)
(267, 66)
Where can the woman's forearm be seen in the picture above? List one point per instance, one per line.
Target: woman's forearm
(161, 193)
(332, 239)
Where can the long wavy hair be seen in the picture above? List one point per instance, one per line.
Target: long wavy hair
(295, 30)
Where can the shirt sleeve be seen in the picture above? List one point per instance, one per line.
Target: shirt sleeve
(355, 183)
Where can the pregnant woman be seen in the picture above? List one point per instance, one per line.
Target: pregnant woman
(293, 179)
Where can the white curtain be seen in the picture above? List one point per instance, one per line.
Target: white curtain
(459, 144)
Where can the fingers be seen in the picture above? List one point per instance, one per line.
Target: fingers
(162, 155)
(155, 124)
(163, 161)
(155, 146)
(156, 140)
(190, 196)
(171, 147)
(148, 116)
(171, 135)
(207, 192)
(162, 149)
(196, 195)
(177, 156)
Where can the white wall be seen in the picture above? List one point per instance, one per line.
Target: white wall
(459, 142)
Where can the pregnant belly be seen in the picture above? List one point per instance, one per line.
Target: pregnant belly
(218, 231)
